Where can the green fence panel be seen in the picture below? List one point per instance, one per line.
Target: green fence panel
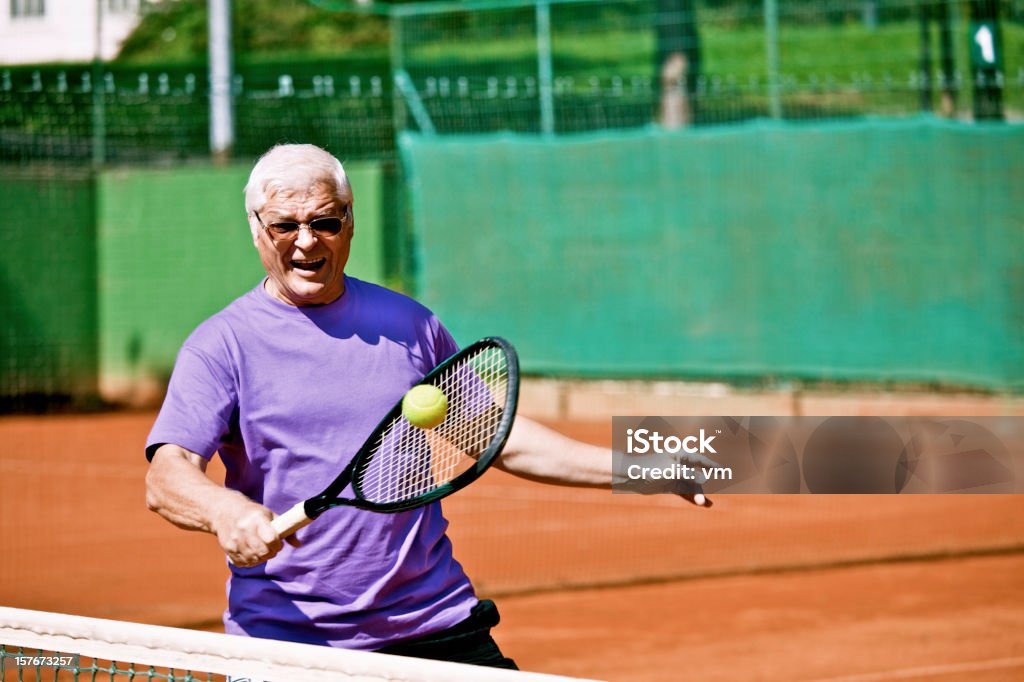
(872, 251)
(47, 288)
(174, 248)
(370, 258)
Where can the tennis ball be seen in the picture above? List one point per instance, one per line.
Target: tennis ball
(425, 406)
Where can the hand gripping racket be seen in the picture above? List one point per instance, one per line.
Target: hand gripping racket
(401, 466)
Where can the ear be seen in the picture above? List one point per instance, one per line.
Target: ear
(254, 229)
(352, 218)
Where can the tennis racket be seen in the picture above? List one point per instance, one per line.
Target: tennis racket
(401, 466)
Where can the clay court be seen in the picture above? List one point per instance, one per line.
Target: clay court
(617, 587)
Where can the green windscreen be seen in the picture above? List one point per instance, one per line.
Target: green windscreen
(47, 287)
(175, 247)
(875, 250)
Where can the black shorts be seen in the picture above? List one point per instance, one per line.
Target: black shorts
(467, 642)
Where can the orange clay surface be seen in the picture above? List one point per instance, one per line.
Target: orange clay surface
(619, 587)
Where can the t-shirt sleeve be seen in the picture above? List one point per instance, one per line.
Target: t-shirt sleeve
(196, 414)
(444, 344)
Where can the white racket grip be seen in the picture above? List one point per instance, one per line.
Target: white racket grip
(292, 520)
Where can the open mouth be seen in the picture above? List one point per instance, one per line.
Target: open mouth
(308, 265)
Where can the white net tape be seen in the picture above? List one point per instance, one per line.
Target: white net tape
(114, 650)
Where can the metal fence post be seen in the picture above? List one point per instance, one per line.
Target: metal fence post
(545, 70)
(222, 120)
(99, 113)
(771, 38)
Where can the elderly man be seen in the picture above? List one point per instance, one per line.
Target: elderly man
(286, 383)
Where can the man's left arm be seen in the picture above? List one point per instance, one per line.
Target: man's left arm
(538, 453)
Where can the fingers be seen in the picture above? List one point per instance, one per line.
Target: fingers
(701, 500)
(695, 496)
(698, 499)
(245, 534)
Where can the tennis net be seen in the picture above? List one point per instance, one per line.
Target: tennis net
(37, 645)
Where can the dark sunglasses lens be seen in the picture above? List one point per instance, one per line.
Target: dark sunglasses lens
(284, 230)
(329, 226)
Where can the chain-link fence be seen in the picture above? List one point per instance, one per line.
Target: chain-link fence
(563, 67)
(162, 114)
(558, 67)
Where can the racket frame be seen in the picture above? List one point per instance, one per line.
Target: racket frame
(330, 497)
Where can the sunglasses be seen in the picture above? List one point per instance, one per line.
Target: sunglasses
(289, 232)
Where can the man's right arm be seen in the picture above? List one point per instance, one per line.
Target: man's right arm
(178, 490)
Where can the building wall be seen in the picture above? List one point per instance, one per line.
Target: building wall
(66, 30)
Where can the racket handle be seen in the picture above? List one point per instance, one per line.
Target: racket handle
(292, 520)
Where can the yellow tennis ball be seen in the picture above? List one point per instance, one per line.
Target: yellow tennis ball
(425, 406)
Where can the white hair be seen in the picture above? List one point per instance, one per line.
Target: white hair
(291, 166)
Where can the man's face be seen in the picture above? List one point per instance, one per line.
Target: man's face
(308, 270)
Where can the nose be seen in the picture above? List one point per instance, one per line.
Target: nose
(305, 238)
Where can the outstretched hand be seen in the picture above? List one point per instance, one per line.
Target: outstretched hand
(662, 473)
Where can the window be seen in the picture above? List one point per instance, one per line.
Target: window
(27, 8)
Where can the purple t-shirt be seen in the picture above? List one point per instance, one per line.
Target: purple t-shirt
(287, 395)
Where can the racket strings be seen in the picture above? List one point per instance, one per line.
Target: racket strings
(410, 462)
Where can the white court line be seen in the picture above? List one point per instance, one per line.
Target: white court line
(947, 669)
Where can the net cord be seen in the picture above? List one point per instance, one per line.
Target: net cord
(259, 659)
